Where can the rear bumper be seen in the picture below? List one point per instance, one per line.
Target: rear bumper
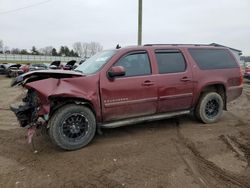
(234, 92)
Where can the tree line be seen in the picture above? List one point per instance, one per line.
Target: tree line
(245, 58)
(80, 49)
(85, 49)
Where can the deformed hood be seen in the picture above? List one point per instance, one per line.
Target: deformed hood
(44, 74)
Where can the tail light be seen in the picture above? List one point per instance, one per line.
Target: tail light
(247, 69)
(241, 78)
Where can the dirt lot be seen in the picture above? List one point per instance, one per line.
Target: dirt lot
(172, 153)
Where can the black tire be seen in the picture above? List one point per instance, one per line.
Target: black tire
(72, 127)
(210, 107)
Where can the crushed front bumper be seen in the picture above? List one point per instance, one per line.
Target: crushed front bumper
(26, 113)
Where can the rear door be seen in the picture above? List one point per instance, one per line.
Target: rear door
(175, 81)
(134, 94)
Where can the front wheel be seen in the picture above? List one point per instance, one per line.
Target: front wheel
(210, 107)
(72, 127)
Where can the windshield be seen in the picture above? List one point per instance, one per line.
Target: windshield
(96, 62)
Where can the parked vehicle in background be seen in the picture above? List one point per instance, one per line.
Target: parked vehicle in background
(69, 65)
(37, 66)
(247, 71)
(14, 70)
(55, 65)
(78, 63)
(25, 68)
(3, 68)
(82, 61)
(127, 86)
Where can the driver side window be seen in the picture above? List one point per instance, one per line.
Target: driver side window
(135, 64)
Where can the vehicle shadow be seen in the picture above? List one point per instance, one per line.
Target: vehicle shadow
(124, 133)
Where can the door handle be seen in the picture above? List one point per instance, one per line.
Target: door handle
(185, 79)
(148, 83)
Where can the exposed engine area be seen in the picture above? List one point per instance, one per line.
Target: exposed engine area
(26, 113)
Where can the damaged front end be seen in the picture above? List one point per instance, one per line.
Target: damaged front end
(33, 111)
(47, 91)
(27, 112)
(40, 86)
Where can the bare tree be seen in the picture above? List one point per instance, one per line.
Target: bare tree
(15, 51)
(95, 47)
(6, 49)
(1, 46)
(46, 50)
(78, 48)
(86, 49)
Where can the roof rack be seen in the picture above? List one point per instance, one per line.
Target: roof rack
(179, 44)
(219, 45)
(212, 44)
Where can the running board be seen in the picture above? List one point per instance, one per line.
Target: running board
(136, 120)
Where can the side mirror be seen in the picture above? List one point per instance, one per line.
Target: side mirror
(116, 71)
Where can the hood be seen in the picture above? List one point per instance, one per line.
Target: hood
(71, 63)
(44, 74)
(15, 66)
(56, 63)
(5, 66)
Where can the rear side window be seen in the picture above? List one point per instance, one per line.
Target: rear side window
(213, 58)
(170, 61)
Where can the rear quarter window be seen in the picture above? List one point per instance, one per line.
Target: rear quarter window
(213, 58)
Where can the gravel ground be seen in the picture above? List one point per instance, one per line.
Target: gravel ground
(174, 153)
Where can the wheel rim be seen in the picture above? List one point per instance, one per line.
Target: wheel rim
(75, 127)
(212, 108)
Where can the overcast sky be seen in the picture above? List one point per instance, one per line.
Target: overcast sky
(63, 22)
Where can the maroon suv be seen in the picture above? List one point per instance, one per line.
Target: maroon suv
(127, 86)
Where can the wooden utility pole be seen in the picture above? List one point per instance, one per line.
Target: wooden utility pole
(139, 22)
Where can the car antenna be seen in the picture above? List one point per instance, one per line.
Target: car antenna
(118, 46)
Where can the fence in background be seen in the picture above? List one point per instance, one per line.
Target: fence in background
(36, 58)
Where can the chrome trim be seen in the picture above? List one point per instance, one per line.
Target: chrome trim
(136, 120)
(176, 96)
(112, 104)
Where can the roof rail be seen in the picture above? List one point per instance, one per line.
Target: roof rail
(212, 44)
(180, 44)
(219, 45)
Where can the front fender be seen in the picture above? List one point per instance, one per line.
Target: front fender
(85, 88)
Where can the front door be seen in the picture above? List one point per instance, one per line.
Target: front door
(132, 95)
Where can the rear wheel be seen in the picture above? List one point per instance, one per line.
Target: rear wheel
(210, 107)
(72, 127)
